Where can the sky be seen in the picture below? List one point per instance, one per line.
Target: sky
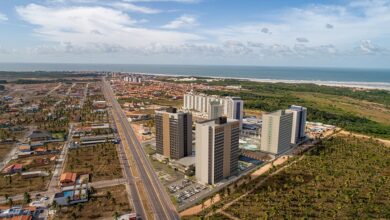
(335, 33)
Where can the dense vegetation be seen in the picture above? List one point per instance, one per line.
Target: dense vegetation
(344, 177)
(378, 96)
(44, 74)
(273, 96)
(87, 113)
(40, 81)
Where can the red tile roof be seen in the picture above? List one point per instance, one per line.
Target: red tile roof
(68, 177)
(22, 217)
(18, 166)
(8, 169)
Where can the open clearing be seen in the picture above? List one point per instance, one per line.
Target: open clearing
(101, 161)
(374, 111)
(102, 205)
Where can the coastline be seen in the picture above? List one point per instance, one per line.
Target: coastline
(359, 85)
(350, 84)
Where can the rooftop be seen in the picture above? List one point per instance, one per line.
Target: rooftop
(22, 217)
(40, 134)
(297, 107)
(278, 113)
(98, 137)
(218, 121)
(186, 161)
(68, 177)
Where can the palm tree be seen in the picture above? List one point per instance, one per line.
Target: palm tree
(10, 202)
(116, 215)
(54, 205)
(74, 216)
(26, 197)
(228, 191)
(10, 179)
(79, 207)
(108, 195)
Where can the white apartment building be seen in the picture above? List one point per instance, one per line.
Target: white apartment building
(215, 110)
(217, 150)
(298, 124)
(276, 132)
(233, 107)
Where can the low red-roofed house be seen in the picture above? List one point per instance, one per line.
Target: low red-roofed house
(22, 217)
(68, 179)
(8, 169)
(40, 150)
(18, 168)
(14, 168)
(24, 148)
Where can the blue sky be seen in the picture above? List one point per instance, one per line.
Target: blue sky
(337, 33)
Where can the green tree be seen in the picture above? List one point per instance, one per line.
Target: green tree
(54, 205)
(26, 198)
(116, 215)
(68, 200)
(108, 195)
(10, 202)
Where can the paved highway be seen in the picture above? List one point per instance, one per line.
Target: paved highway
(131, 181)
(157, 197)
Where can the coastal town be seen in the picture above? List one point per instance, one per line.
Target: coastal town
(194, 110)
(64, 153)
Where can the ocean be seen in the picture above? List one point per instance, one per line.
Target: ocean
(342, 76)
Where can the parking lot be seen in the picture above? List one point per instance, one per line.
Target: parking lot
(186, 191)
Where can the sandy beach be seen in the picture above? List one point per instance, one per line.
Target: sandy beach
(351, 84)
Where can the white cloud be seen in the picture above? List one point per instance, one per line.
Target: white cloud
(302, 40)
(354, 23)
(368, 47)
(315, 31)
(134, 8)
(184, 21)
(329, 26)
(265, 30)
(3, 17)
(95, 27)
(178, 1)
(3, 50)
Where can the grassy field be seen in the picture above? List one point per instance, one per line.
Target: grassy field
(373, 111)
(16, 185)
(101, 205)
(100, 160)
(163, 170)
(156, 101)
(149, 150)
(168, 102)
(4, 150)
(343, 178)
